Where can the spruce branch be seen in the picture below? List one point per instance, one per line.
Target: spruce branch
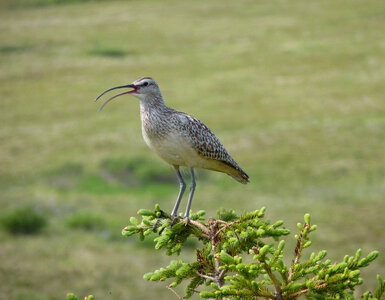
(230, 239)
(71, 296)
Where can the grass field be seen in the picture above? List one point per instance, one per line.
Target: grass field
(294, 90)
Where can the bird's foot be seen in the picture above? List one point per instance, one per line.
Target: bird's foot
(162, 215)
(156, 224)
(187, 217)
(175, 218)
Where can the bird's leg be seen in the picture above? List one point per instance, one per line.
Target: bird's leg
(174, 213)
(190, 196)
(181, 191)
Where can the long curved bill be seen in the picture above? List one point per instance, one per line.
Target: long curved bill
(114, 88)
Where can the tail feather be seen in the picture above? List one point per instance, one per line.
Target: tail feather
(240, 176)
(237, 173)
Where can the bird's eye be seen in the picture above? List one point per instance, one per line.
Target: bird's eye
(145, 84)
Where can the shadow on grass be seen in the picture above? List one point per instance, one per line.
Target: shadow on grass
(24, 4)
(108, 52)
(15, 49)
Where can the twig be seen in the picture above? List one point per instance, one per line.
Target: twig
(224, 227)
(221, 274)
(217, 279)
(304, 291)
(221, 221)
(206, 276)
(195, 291)
(175, 293)
(201, 227)
(274, 280)
(217, 263)
(297, 251)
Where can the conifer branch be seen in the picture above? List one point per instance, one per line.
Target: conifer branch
(298, 248)
(204, 229)
(214, 241)
(228, 239)
(274, 280)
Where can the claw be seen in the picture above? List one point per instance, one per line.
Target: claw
(160, 231)
(179, 217)
(162, 214)
(174, 220)
(156, 224)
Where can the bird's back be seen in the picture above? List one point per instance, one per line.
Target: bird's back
(209, 148)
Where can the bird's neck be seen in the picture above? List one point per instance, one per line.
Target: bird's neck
(152, 101)
(152, 104)
(154, 115)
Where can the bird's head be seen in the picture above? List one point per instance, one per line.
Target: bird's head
(140, 88)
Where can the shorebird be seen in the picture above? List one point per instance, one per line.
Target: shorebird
(178, 138)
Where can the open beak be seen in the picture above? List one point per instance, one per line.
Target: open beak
(118, 87)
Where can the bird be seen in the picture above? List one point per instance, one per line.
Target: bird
(178, 138)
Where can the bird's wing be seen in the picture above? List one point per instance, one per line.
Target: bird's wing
(206, 144)
(204, 141)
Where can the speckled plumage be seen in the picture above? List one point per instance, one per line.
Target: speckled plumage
(178, 138)
(160, 121)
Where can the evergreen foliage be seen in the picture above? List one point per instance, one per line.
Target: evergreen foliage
(71, 296)
(242, 257)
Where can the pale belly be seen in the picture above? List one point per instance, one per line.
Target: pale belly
(176, 149)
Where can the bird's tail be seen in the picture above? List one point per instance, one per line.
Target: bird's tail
(240, 176)
(236, 172)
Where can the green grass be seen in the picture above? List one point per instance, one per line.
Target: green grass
(294, 90)
(24, 220)
(85, 221)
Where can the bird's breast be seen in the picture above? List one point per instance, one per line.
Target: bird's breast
(168, 138)
(173, 147)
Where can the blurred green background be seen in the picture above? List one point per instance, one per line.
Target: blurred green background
(294, 90)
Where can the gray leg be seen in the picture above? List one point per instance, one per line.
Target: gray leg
(181, 191)
(190, 196)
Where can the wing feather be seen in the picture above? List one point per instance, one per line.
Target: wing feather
(208, 145)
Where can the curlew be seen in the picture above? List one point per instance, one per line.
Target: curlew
(178, 138)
